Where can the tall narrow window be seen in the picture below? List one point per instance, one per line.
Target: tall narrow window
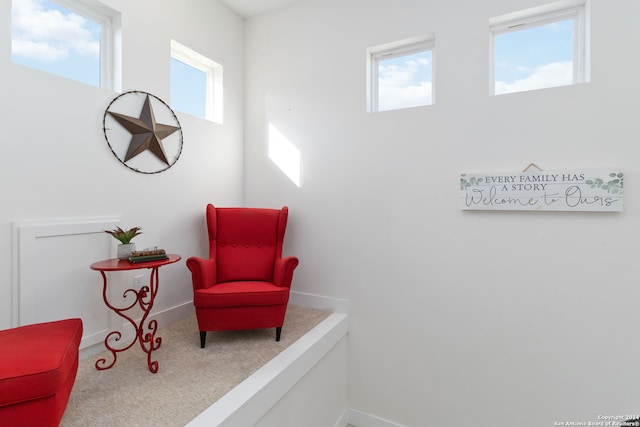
(400, 75)
(77, 39)
(196, 84)
(540, 48)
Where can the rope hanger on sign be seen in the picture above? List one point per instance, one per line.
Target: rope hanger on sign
(532, 165)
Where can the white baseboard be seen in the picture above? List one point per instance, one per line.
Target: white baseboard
(361, 419)
(343, 421)
(319, 302)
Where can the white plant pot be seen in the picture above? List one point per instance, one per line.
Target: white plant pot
(125, 250)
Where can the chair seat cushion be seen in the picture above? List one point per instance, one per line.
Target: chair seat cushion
(232, 294)
(35, 360)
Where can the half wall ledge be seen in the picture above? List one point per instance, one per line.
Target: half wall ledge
(250, 400)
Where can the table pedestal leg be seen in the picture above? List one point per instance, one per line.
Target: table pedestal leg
(148, 341)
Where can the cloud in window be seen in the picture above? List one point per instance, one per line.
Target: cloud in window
(45, 34)
(548, 75)
(404, 84)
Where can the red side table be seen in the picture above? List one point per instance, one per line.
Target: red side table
(144, 298)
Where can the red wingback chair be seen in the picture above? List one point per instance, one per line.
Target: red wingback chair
(245, 282)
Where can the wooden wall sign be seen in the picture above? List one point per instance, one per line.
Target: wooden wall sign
(593, 190)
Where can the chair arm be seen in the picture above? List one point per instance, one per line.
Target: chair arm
(283, 271)
(203, 272)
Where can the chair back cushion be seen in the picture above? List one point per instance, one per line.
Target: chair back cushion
(247, 242)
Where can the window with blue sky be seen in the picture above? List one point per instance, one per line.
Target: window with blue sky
(65, 38)
(196, 83)
(188, 89)
(400, 75)
(405, 81)
(538, 49)
(51, 38)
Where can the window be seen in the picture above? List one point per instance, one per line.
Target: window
(539, 48)
(196, 83)
(71, 38)
(400, 75)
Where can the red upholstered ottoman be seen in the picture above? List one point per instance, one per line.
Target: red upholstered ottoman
(38, 366)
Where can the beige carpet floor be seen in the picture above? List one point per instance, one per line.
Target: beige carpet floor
(189, 379)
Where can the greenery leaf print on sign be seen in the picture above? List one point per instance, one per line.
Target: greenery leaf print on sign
(613, 186)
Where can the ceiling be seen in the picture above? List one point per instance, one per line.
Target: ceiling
(251, 8)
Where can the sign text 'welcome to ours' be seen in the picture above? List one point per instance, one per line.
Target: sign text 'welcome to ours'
(595, 190)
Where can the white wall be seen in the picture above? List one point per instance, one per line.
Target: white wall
(56, 163)
(488, 318)
(318, 399)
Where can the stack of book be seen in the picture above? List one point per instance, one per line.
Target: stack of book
(148, 255)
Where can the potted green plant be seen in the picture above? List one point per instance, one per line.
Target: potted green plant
(125, 248)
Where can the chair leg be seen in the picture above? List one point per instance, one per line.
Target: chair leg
(203, 337)
(278, 331)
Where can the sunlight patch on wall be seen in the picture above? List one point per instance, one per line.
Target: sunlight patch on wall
(284, 154)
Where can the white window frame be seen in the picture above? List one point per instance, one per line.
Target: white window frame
(110, 38)
(395, 50)
(576, 10)
(214, 83)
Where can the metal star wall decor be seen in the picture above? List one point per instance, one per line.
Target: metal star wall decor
(142, 143)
